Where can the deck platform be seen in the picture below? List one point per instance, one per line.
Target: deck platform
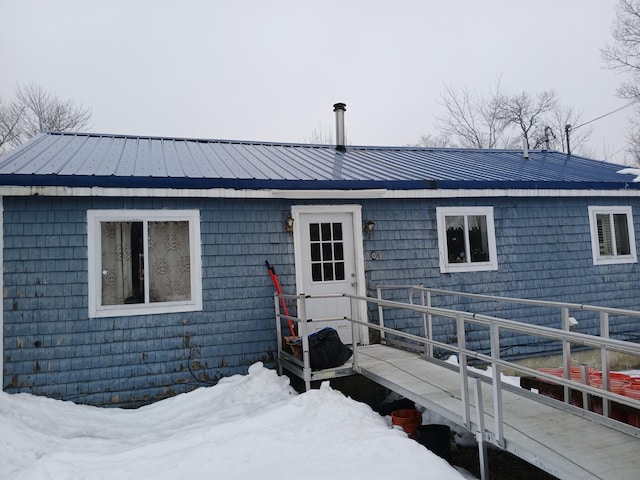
(569, 445)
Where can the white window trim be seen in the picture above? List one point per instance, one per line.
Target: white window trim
(445, 266)
(95, 217)
(595, 244)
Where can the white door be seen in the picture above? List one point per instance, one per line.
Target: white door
(329, 260)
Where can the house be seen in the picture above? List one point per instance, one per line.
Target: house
(134, 267)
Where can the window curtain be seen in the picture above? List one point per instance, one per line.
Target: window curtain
(169, 262)
(478, 238)
(117, 280)
(455, 239)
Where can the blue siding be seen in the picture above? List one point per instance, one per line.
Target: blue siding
(544, 253)
(52, 348)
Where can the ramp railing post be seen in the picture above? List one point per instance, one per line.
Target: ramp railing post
(462, 362)
(426, 320)
(430, 324)
(606, 365)
(566, 352)
(494, 332)
(584, 378)
(278, 332)
(306, 358)
(482, 446)
(354, 309)
(380, 313)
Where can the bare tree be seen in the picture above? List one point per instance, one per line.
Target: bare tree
(562, 117)
(10, 116)
(35, 110)
(624, 55)
(440, 140)
(525, 113)
(472, 120)
(502, 120)
(319, 136)
(633, 137)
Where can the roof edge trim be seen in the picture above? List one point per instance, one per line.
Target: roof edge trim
(179, 183)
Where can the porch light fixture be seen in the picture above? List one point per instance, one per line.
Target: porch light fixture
(288, 224)
(368, 227)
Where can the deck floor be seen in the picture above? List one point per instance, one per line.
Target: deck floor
(566, 445)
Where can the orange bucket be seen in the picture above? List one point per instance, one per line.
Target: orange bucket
(407, 418)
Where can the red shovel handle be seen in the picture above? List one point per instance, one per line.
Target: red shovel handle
(276, 283)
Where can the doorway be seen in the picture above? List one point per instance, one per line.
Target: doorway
(329, 260)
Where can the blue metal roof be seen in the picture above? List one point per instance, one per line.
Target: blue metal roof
(88, 160)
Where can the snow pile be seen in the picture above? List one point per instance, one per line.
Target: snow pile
(247, 426)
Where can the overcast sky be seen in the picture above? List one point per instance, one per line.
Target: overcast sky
(271, 70)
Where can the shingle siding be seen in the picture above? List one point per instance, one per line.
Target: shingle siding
(52, 348)
(544, 253)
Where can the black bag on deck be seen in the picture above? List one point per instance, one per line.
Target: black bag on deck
(326, 350)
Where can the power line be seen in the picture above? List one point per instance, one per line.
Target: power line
(607, 114)
(626, 145)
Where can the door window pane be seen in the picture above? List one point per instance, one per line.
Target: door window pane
(327, 252)
(315, 252)
(316, 272)
(337, 231)
(328, 272)
(326, 231)
(339, 270)
(314, 232)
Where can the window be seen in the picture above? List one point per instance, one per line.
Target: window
(612, 235)
(466, 239)
(143, 261)
(327, 252)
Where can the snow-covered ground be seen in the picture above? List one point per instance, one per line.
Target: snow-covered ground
(246, 427)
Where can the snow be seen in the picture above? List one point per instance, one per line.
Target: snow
(631, 171)
(247, 426)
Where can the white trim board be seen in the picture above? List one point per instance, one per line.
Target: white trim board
(306, 194)
(3, 293)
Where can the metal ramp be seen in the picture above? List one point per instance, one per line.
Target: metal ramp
(567, 441)
(566, 445)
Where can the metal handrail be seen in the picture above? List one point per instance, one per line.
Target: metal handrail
(495, 325)
(604, 313)
(497, 298)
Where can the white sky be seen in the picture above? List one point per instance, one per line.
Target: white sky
(271, 70)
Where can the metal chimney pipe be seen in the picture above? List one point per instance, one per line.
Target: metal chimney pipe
(340, 108)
